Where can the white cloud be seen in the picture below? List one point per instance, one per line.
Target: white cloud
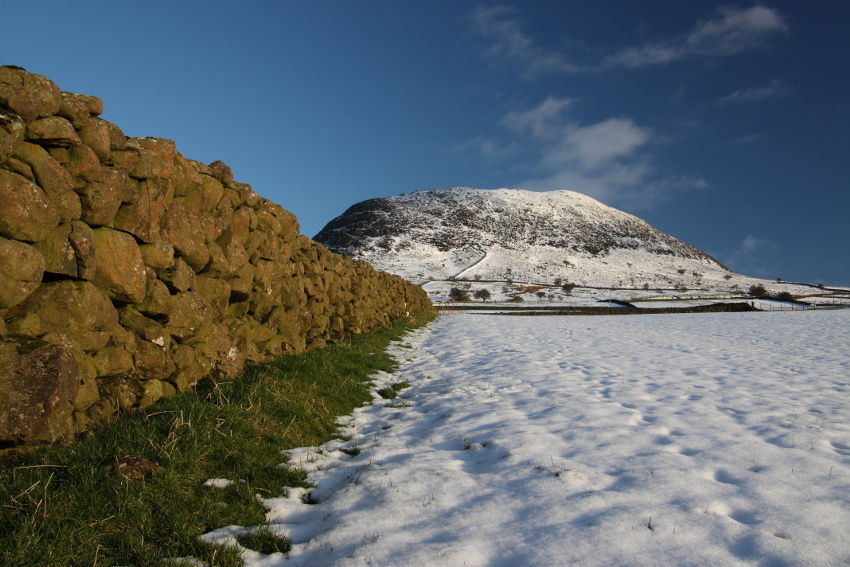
(605, 160)
(776, 89)
(566, 141)
(601, 143)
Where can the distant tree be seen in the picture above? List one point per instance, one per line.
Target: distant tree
(784, 296)
(758, 291)
(456, 294)
(541, 295)
(568, 287)
(482, 294)
(557, 281)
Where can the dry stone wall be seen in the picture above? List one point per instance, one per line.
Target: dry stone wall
(129, 272)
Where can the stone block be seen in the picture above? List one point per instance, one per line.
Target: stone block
(12, 130)
(83, 165)
(178, 278)
(151, 361)
(202, 199)
(159, 256)
(190, 316)
(25, 211)
(216, 292)
(97, 136)
(80, 310)
(150, 391)
(157, 302)
(52, 131)
(185, 232)
(120, 270)
(21, 269)
(113, 361)
(38, 387)
(53, 179)
(156, 157)
(28, 95)
(120, 391)
(73, 108)
(143, 214)
(69, 250)
(100, 200)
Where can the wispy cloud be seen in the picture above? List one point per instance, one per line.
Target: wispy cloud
(543, 122)
(488, 147)
(729, 31)
(776, 89)
(748, 139)
(508, 41)
(753, 257)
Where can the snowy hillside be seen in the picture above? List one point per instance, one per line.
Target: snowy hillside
(521, 236)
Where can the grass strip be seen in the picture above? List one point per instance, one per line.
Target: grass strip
(59, 505)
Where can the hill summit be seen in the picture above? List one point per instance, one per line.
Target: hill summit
(510, 234)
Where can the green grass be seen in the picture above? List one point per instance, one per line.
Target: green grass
(391, 391)
(265, 541)
(59, 506)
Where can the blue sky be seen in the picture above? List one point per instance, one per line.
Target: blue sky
(724, 124)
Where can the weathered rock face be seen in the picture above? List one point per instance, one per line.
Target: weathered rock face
(38, 385)
(129, 272)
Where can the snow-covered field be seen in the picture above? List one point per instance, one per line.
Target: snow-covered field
(703, 439)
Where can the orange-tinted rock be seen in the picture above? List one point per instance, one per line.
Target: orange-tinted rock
(100, 200)
(120, 270)
(21, 268)
(97, 136)
(25, 211)
(28, 95)
(142, 216)
(156, 157)
(185, 232)
(52, 131)
(12, 130)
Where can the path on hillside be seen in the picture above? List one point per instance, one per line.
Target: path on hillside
(700, 439)
(472, 265)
